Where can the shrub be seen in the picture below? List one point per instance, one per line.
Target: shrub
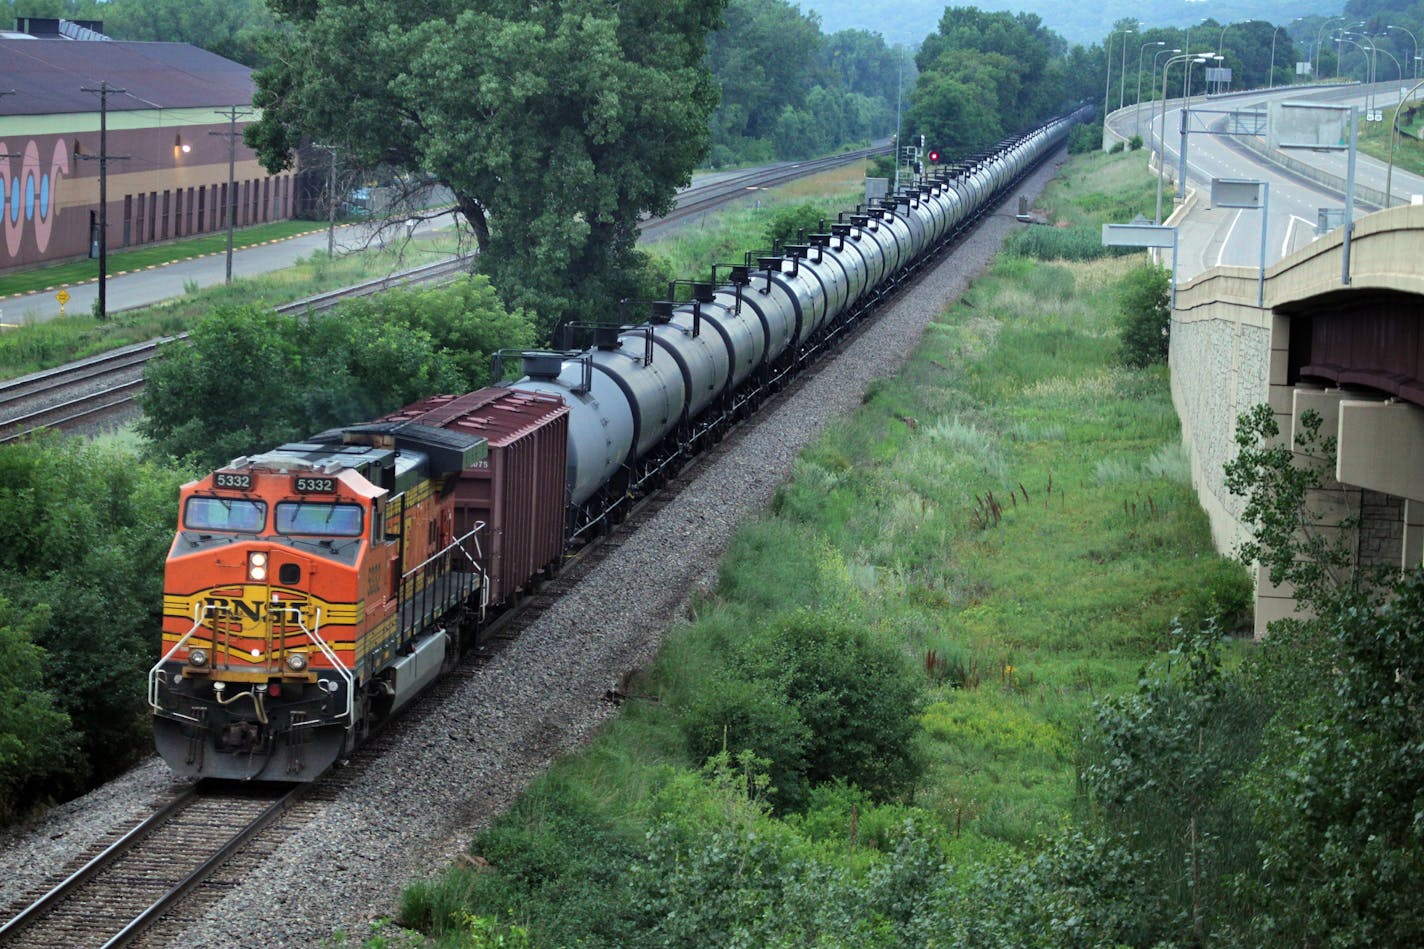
(1144, 316)
(753, 716)
(789, 224)
(1134, 143)
(1117, 147)
(859, 699)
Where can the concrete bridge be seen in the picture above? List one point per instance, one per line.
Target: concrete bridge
(1352, 351)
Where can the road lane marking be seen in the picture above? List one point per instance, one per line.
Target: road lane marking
(1288, 244)
(1227, 239)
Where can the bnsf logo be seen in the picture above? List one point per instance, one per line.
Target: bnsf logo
(254, 610)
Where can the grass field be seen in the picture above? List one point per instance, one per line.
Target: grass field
(1408, 149)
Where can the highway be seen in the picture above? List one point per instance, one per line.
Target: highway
(1215, 236)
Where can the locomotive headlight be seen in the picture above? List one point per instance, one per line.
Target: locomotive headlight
(257, 566)
(297, 662)
(198, 657)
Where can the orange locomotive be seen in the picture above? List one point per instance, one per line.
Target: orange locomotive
(310, 592)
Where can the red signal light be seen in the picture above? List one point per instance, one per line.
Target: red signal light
(934, 155)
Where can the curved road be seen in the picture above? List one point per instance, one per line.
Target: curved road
(1215, 236)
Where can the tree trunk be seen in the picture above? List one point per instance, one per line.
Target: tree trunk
(475, 214)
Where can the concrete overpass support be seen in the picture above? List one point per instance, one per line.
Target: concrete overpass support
(1352, 352)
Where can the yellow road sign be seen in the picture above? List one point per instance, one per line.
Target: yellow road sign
(62, 296)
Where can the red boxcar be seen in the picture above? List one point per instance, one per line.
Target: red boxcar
(519, 491)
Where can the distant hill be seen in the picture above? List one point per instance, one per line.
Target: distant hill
(1079, 21)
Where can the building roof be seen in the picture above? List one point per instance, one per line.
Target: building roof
(49, 76)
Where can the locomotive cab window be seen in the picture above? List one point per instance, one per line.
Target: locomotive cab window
(319, 519)
(225, 514)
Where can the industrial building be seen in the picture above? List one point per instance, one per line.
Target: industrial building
(170, 147)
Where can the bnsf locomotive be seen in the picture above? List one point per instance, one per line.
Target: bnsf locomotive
(312, 590)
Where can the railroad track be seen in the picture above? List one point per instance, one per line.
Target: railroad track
(102, 387)
(127, 886)
(90, 390)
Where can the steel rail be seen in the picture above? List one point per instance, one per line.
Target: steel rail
(111, 856)
(149, 916)
(97, 863)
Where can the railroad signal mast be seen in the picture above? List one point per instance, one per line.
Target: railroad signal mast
(910, 158)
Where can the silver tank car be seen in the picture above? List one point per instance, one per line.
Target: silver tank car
(744, 330)
(600, 419)
(700, 353)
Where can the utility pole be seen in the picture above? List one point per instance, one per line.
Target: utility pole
(104, 91)
(899, 87)
(331, 202)
(231, 113)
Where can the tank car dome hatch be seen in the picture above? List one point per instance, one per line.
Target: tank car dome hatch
(543, 365)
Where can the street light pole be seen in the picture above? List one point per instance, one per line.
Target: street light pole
(1394, 137)
(1320, 35)
(1271, 71)
(1186, 119)
(1220, 42)
(1107, 80)
(1340, 47)
(1122, 72)
(1414, 56)
(1152, 84)
(1369, 70)
(1137, 100)
(1162, 159)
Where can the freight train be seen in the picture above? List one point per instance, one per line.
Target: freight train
(312, 590)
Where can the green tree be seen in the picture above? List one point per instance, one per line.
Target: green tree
(1337, 788)
(87, 529)
(764, 57)
(983, 76)
(1144, 316)
(1166, 768)
(250, 379)
(36, 739)
(790, 224)
(854, 709)
(235, 29)
(557, 126)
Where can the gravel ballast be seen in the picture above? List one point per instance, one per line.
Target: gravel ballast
(467, 759)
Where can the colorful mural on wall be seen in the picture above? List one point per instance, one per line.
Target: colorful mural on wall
(27, 193)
